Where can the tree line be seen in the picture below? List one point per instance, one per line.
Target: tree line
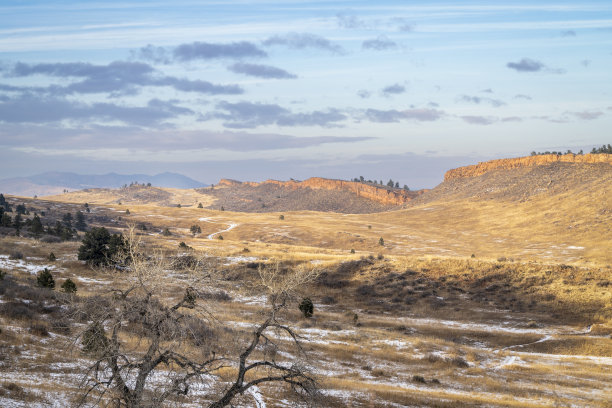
(596, 150)
(66, 228)
(390, 183)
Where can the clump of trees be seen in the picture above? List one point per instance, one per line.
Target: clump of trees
(596, 150)
(100, 248)
(390, 183)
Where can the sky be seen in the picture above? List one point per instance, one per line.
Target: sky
(253, 90)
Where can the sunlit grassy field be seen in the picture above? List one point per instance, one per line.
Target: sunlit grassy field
(463, 303)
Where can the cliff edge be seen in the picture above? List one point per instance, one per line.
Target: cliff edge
(528, 161)
(387, 196)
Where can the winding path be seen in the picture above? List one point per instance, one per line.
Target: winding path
(230, 227)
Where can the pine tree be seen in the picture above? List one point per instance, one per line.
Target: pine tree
(36, 227)
(67, 220)
(80, 221)
(45, 279)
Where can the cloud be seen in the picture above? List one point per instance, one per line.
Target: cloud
(159, 55)
(261, 71)
(303, 40)
(477, 100)
(568, 33)
(585, 63)
(526, 65)
(29, 108)
(117, 78)
(394, 89)
(392, 116)
(350, 21)
(202, 50)
(585, 115)
(522, 96)
(242, 115)
(488, 90)
(379, 44)
(364, 94)
(478, 120)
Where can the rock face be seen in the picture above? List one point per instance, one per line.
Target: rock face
(529, 161)
(388, 196)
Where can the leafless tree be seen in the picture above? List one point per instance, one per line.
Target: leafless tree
(146, 350)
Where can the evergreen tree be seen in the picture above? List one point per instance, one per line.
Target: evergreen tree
(6, 220)
(36, 227)
(99, 247)
(390, 183)
(17, 223)
(397, 184)
(87, 208)
(67, 220)
(45, 279)
(80, 221)
(21, 209)
(69, 286)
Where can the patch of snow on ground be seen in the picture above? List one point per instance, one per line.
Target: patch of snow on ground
(6, 262)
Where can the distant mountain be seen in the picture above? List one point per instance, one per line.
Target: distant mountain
(56, 182)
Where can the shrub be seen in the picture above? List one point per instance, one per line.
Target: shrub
(220, 237)
(100, 247)
(419, 379)
(52, 257)
(281, 217)
(200, 205)
(44, 279)
(94, 340)
(2, 274)
(352, 251)
(127, 212)
(306, 307)
(69, 286)
(166, 232)
(195, 229)
(381, 241)
(39, 329)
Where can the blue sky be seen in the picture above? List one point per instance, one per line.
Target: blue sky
(278, 89)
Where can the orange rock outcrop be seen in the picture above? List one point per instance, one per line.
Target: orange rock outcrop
(529, 161)
(369, 191)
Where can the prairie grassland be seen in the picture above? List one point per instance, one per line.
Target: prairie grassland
(526, 322)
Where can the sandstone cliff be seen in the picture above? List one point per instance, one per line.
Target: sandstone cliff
(529, 161)
(379, 194)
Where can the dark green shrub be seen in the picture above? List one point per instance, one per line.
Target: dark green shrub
(306, 307)
(100, 247)
(419, 379)
(281, 217)
(69, 286)
(195, 229)
(166, 232)
(93, 340)
(44, 279)
(52, 257)
(352, 251)
(381, 241)
(200, 205)
(220, 237)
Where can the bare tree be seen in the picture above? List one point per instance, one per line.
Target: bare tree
(280, 286)
(146, 350)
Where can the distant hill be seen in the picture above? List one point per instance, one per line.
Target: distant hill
(56, 182)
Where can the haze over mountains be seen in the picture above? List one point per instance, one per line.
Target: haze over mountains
(56, 182)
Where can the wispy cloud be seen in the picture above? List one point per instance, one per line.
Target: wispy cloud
(379, 44)
(478, 120)
(478, 100)
(117, 77)
(394, 89)
(526, 65)
(393, 115)
(261, 71)
(243, 115)
(303, 40)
